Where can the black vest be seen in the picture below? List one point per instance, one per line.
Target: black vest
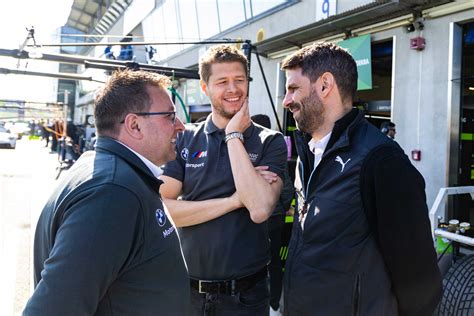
(334, 265)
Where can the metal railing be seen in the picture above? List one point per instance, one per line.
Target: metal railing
(438, 213)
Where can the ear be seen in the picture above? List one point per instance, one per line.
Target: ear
(326, 84)
(131, 126)
(203, 87)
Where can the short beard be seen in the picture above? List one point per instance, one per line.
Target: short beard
(311, 116)
(224, 113)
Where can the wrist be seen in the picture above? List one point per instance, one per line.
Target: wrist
(232, 135)
(234, 202)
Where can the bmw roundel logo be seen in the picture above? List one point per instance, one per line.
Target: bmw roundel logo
(185, 154)
(160, 217)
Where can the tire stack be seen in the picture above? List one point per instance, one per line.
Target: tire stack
(458, 289)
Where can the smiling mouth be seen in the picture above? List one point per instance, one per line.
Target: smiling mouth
(236, 99)
(294, 108)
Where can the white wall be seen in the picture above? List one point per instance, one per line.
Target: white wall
(420, 98)
(420, 82)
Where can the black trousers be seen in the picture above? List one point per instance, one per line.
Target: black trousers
(252, 302)
(275, 228)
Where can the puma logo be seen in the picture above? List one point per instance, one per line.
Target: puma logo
(343, 164)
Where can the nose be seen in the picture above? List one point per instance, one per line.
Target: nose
(179, 126)
(287, 100)
(232, 86)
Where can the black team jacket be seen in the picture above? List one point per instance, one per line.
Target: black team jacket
(366, 247)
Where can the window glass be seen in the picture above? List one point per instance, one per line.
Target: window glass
(260, 6)
(231, 12)
(195, 20)
(71, 39)
(248, 9)
(68, 68)
(189, 23)
(171, 26)
(207, 15)
(153, 30)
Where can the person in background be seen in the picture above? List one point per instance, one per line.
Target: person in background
(228, 177)
(388, 128)
(104, 243)
(275, 227)
(45, 132)
(108, 53)
(361, 241)
(57, 131)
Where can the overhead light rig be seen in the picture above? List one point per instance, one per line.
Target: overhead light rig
(7, 71)
(107, 64)
(220, 41)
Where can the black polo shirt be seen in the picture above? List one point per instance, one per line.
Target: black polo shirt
(230, 246)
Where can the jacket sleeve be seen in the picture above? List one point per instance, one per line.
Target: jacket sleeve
(394, 198)
(287, 193)
(97, 237)
(274, 155)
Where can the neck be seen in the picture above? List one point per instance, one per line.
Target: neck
(219, 121)
(322, 131)
(329, 120)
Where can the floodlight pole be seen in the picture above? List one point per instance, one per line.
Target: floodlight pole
(265, 82)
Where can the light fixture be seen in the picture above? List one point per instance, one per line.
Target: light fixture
(369, 29)
(471, 88)
(416, 25)
(446, 9)
(384, 25)
(419, 25)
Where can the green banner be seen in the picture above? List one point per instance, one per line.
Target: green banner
(359, 48)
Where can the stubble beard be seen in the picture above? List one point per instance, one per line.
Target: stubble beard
(221, 112)
(219, 108)
(311, 116)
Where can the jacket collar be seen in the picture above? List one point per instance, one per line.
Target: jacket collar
(340, 138)
(209, 126)
(107, 144)
(342, 130)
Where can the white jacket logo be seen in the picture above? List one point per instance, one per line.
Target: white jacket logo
(343, 164)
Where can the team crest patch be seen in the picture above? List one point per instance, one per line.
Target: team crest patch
(184, 153)
(160, 217)
(200, 154)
